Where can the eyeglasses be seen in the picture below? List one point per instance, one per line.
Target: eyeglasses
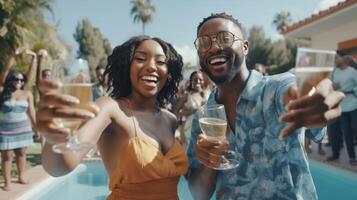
(19, 79)
(224, 39)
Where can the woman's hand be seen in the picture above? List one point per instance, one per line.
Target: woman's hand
(53, 106)
(30, 53)
(36, 135)
(42, 53)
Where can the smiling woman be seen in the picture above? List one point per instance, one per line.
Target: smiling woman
(135, 135)
(124, 56)
(17, 120)
(148, 68)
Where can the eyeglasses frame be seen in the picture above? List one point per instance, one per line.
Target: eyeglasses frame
(213, 38)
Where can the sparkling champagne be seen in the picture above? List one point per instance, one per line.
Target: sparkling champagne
(83, 91)
(213, 128)
(309, 77)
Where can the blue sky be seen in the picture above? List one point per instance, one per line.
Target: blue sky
(174, 21)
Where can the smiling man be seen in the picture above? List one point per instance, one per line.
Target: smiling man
(264, 118)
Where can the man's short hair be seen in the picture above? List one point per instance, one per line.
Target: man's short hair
(220, 15)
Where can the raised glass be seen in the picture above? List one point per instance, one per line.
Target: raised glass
(213, 123)
(312, 66)
(75, 84)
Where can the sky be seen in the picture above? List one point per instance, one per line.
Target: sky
(174, 21)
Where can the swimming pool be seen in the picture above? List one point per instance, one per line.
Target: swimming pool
(333, 183)
(89, 181)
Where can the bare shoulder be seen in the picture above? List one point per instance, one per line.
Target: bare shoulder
(117, 109)
(168, 114)
(170, 117)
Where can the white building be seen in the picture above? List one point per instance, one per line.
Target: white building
(331, 29)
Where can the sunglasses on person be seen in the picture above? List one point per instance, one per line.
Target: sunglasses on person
(224, 39)
(19, 80)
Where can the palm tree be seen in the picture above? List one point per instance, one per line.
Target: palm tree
(281, 20)
(143, 11)
(22, 24)
(15, 25)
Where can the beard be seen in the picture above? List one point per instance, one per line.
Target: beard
(218, 80)
(233, 67)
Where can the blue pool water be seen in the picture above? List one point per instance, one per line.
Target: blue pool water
(90, 181)
(333, 183)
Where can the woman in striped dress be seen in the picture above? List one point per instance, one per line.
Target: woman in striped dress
(17, 117)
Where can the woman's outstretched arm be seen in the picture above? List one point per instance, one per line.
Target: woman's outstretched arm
(53, 106)
(29, 73)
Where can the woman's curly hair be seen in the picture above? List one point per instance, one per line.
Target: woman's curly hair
(118, 69)
(9, 86)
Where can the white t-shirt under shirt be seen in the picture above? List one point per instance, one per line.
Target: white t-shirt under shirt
(347, 78)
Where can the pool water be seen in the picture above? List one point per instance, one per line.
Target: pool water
(89, 181)
(333, 183)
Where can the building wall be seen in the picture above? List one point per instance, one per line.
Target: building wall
(328, 39)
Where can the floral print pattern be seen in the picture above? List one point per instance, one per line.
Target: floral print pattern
(270, 168)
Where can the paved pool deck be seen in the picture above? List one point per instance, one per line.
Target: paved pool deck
(342, 162)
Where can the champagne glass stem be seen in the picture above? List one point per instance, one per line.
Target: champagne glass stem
(73, 139)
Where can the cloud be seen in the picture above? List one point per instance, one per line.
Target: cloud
(188, 54)
(325, 4)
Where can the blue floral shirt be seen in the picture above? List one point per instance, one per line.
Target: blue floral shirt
(270, 168)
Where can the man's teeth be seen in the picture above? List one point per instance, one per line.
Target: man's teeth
(217, 60)
(149, 78)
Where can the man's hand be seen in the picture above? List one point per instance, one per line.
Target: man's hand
(313, 110)
(210, 152)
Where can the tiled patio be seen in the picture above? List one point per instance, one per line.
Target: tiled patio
(34, 175)
(343, 161)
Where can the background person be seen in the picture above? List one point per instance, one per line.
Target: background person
(17, 121)
(344, 79)
(46, 74)
(189, 102)
(100, 89)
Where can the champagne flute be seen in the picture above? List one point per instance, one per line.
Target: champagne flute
(74, 85)
(312, 66)
(213, 123)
